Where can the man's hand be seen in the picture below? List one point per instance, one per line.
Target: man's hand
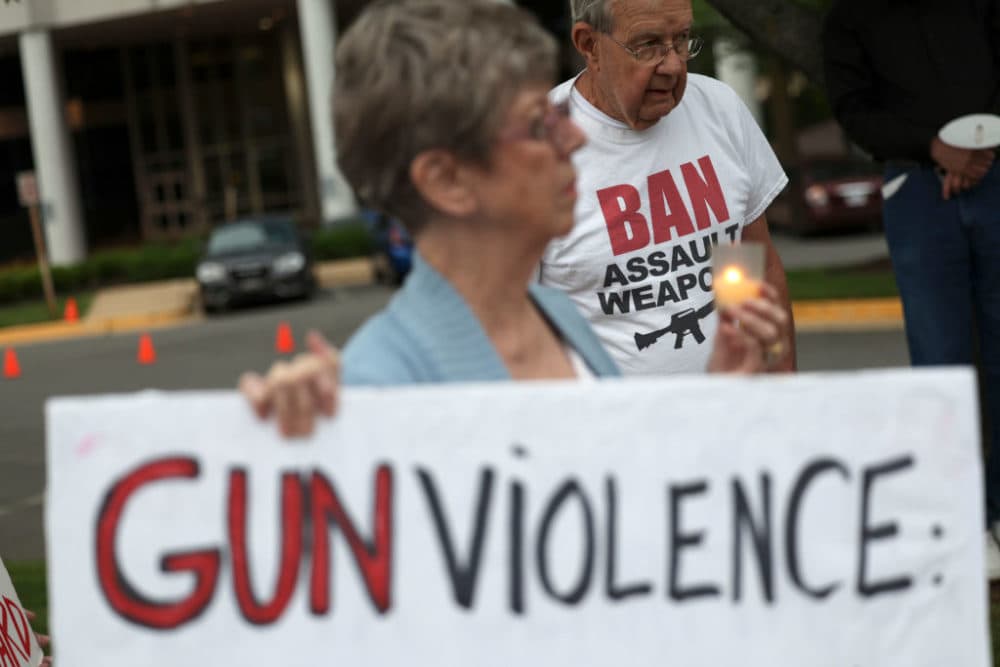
(297, 391)
(751, 336)
(963, 168)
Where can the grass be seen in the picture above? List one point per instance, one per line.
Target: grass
(29, 581)
(34, 312)
(850, 283)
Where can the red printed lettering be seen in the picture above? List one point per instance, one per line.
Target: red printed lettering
(666, 208)
(627, 228)
(705, 192)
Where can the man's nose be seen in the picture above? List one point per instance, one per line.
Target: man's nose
(672, 64)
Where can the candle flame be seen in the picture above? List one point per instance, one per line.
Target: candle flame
(732, 275)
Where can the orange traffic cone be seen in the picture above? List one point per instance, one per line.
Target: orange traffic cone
(147, 355)
(284, 342)
(11, 369)
(70, 313)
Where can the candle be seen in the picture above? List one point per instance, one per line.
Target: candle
(733, 286)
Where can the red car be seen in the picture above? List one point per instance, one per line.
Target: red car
(829, 194)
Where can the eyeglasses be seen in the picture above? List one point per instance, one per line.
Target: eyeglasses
(550, 126)
(648, 54)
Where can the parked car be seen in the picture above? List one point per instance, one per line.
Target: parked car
(393, 248)
(255, 260)
(831, 193)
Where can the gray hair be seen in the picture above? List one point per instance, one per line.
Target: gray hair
(415, 75)
(595, 12)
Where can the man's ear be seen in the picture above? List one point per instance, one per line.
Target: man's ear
(585, 40)
(440, 179)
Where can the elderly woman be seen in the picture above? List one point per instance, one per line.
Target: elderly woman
(443, 121)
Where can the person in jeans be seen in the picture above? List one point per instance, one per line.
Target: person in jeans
(896, 73)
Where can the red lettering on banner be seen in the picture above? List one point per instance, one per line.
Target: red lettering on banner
(122, 597)
(627, 227)
(374, 559)
(291, 547)
(663, 195)
(15, 634)
(705, 192)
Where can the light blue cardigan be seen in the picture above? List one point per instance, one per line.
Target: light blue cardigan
(427, 333)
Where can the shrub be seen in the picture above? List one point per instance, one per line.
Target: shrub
(349, 238)
(163, 261)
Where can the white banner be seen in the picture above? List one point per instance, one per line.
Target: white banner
(803, 521)
(18, 646)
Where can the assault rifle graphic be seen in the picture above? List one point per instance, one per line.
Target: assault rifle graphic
(685, 322)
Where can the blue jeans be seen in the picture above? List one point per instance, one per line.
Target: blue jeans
(946, 256)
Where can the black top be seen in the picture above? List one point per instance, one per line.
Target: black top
(898, 70)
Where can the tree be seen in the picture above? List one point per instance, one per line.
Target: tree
(789, 28)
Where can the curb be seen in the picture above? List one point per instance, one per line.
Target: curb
(49, 331)
(848, 315)
(810, 316)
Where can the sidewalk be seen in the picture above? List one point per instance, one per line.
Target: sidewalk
(174, 302)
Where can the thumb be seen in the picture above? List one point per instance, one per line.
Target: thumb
(254, 388)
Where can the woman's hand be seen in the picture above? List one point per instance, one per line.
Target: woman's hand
(296, 391)
(752, 337)
(43, 640)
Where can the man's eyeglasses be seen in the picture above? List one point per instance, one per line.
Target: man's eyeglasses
(550, 126)
(648, 54)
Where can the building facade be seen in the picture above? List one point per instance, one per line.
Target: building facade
(156, 119)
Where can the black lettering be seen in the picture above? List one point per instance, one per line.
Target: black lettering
(679, 257)
(870, 533)
(806, 477)
(659, 264)
(642, 297)
(613, 276)
(517, 547)
(731, 232)
(637, 269)
(667, 294)
(613, 589)
(612, 300)
(705, 279)
(685, 283)
(706, 249)
(760, 532)
(463, 577)
(680, 540)
(568, 489)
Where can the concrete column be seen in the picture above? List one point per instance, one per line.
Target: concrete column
(55, 162)
(318, 31)
(737, 66)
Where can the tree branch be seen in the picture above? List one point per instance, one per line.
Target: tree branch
(789, 30)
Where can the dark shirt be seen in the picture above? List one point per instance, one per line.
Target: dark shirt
(898, 70)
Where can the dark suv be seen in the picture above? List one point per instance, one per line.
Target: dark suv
(252, 260)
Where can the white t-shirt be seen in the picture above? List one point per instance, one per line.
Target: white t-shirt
(650, 204)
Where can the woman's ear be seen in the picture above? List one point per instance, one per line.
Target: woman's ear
(585, 40)
(440, 179)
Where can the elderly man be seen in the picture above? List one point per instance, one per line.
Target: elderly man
(674, 163)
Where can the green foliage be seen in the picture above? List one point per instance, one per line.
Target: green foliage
(29, 582)
(161, 261)
(858, 283)
(36, 310)
(349, 238)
